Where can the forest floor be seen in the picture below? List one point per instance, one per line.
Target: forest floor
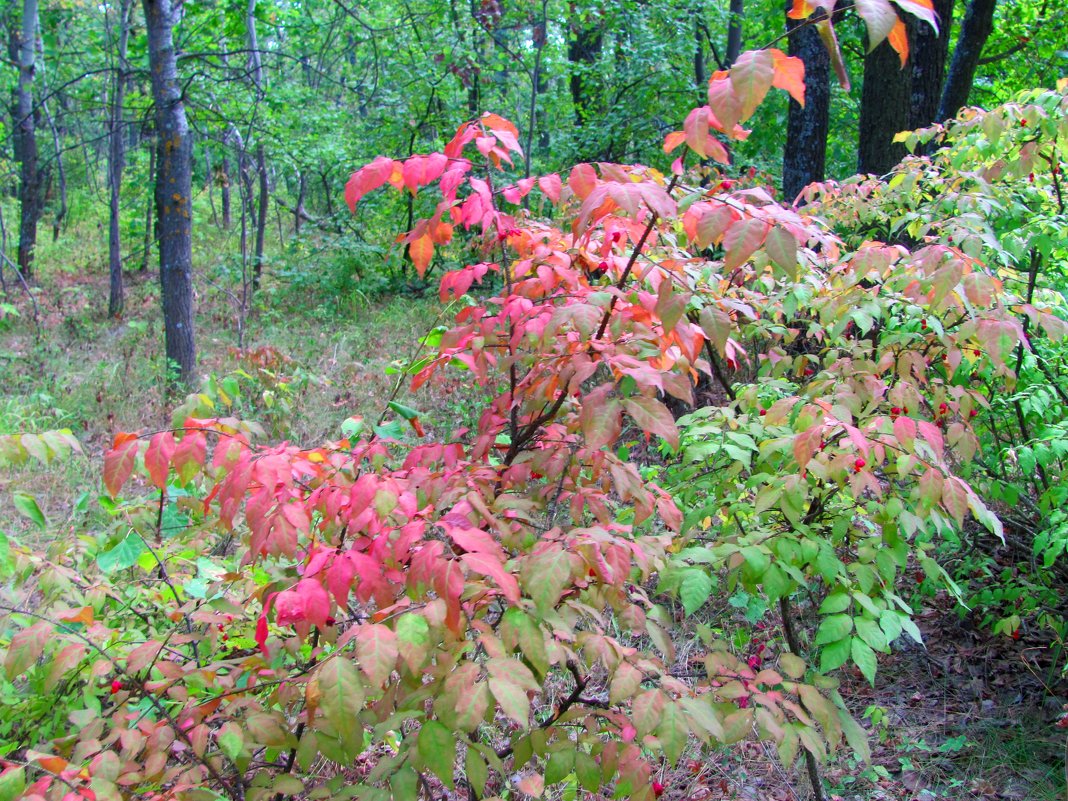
(968, 718)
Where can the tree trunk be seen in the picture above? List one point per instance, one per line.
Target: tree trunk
(256, 68)
(928, 51)
(173, 189)
(116, 159)
(700, 73)
(583, 50)
(146, 251)
(61, 175)
(25, 129)
(804, 159)
(884, 110)
(734, 30)
(977, 25)
(300, 212)
(224, 181)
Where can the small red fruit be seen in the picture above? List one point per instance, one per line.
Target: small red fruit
(116, 686)
(919, 576)
(658, 789)
(895, 410)
(1031, 177)
(942, 408)
(616, 236)
(972, 413)
(923, 323)
(809, 371)
(763, 412)
(904, 409)
(1016, 634)
(859, 464)
(331, 622)
(225, 637)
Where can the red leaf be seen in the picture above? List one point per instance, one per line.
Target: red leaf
(789, 75)
(551, 186)
(119, 462)
(653, 416)
(190, 453)
(367, 179)
(158, 457)
(742, 239)
(490, 566)
(422, 170)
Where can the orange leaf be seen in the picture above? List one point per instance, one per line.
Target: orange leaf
(899, 40)
(673, 140)
(789, 75)
(801, 10)
(421, 251)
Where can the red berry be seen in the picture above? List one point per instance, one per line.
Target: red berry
(904, 409)
(763, 412)
(1016, 634)
(331, 622)
(919, 576)
(658, 789)
(809, 371)
(895, 410)
(116, 685)
(225, 637)
(1023, 122)
(923, 323)
(616, 236)
(942, 408)
(972, 413)
(859, 464)
(1031, 177)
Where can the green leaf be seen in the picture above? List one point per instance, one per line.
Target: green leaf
(560, 764)
(476, 771)
(12, 783)
(834, 655)
(341, 695)
(123, 555)
(413, 640)
(231, 741)
(872, 634)
(27, 507)
(694, 589)
(407, 412)
(833, 628)
(404, 784)
(834, 603)
(437, 748)
(864, 657)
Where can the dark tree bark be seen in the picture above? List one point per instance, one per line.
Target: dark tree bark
(146, 250)
(299, 213)
(700, 72)
(734, 31)
(975, 28)
(24, 118)
(116, 162)
(928, 52)
(224, 181)
(804, 158)
(256, 68)
(884, 110)
(173, 189)
(583, 50)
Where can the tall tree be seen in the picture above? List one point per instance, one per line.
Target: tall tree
(583, 49)
(884, 109)
(975, 28)
(734, 30)
(24, 114)
(928, 50)
(804, 157)
(116, 161)
(256, 69)
(173, 186)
